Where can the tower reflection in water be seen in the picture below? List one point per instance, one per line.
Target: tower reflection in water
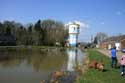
(75, 58)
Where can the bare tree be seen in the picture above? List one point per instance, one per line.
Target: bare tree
(100, 37)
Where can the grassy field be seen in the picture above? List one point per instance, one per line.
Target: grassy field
(110, 75)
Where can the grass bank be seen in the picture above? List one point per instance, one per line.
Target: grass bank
(110, 75)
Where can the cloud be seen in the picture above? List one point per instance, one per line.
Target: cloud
(118, 13)
(82, 24)
(102, 23)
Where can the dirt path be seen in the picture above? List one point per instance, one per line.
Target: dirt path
(108, 53)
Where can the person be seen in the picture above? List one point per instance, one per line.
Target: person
(114, 57)
(122, 63)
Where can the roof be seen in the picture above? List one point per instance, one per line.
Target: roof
(114, 38)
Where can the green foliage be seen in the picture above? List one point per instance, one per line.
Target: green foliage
(110, 75)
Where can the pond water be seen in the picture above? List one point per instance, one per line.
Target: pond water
(32, 66)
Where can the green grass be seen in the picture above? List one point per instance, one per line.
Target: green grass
(110, 75)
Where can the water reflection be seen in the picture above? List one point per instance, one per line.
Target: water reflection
(75, 58)
(32, 65)
(43, 59)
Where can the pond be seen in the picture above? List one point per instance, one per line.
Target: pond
(32, 66)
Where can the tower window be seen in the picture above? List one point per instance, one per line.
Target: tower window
(74, 28)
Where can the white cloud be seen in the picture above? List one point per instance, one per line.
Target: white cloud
(102, 23)
(118, 13)
(68, 23)
(82, 24)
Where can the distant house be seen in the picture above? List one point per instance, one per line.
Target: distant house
(118, 41)
(123, 43)
(7, 40)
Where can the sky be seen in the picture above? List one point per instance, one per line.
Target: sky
(106, 16)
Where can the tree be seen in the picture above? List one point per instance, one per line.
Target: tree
(38, 32)
(1, 29)
(54, 31)
(95, 40)
(46, 32)
(100, 37)
(48, 29)
(37, 26)
(8, 30)
(30, 35)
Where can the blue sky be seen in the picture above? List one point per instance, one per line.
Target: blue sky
(100, 15)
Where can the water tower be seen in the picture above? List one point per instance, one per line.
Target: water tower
(73, 34)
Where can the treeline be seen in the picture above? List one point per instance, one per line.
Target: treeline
(45, 32)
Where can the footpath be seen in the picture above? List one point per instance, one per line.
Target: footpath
(108, 53)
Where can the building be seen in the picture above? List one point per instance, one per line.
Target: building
(117, 41)
(73, 29)
(123, 43)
